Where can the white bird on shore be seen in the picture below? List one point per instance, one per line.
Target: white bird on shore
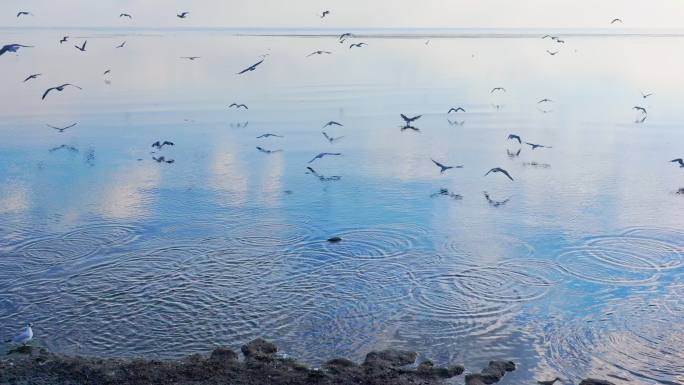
(24, 337)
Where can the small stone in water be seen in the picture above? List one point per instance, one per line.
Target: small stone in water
(334, 239)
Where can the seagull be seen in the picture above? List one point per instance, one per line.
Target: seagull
(24, 13)
(455, 109)
(443, 167)
(25, 336)
(159, 144)
(497, 89)
(535, 146)
(549, 382)
(322, 154)
(121, 45)
(551, 52)
(65, 147)
(545, 36)
(408, 126)
(410, 120)
(333, 123)
(643, 95)
(325, 13)
(31, 77)
(642, 109)
(64, 39)
(125, 15)
(61, 129)
(183, 15)
(494, 203)
(359, 45)
(267, 151)
(321, 177)
(345, 36)
(238, 106)
(319, 53)
(514, 137)
(13, 48)
(251, 68)
(268, 135)
(191, 58)
(560, 41)
(59, 88)
(162, 159)
(501, 170)
(82, 48)
(106, 72)
(545, 100)
(678, 160)
(330, 138)
(615, 21)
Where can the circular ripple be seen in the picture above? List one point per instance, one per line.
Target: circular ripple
(501, 246)
(269, 236)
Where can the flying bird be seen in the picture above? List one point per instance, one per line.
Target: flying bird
(545, 100)
(59, 88)
(238, 106)
(107, 72)
(158, 144)
(251, 68)
(443, 167)
(24, 13)
(410, 120)
(452, 109)
(359, 45)
(410, 127)
(183, 15)
(325, 13)
(64, 147)
(535, 146)
(345, 36)
(332, 123)
(514, 137)
(643, 95)
(501, 170)
(191, 58)
(615, 21)
(678, 160)
(64, 39)
(268, 135)
(61, 129)
(497, 89)
(560, 41)
(162, 159)
(24, 337)
(330, 138)
(552, 53)
(13, 48)
(125, 15)
(322, 154)
(321, 177)
(267, 151)
(319, 53)
(82, 48)
(638, 108)
(34, 76)
(494, 203)
(121, 45)
(545, 36)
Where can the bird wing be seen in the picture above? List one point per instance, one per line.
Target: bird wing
(506, 173)
(47, 92)
(451, 109)
(167, 142)
(326, 136)
(491, 170)
(438, 164)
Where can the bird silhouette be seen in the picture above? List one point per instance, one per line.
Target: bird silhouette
(107, 72)
(515, 137)
(536, 146)
(83, 47)
(183, 15)
(34, 76)
(513, 154)
(330, 138)
(24, 13)
(410, 120)
(159, 144)
(267, 151)
(545, 36)
(61, 129)
(121, 45)
(501, 170)
(545, 100)
(64, 147)
(615, 21)
(162, 159)
(560, 41)
(345, 36)
(358, 45)
(238, 106)
(497, 89)
(409, 127)
(678, 160)
(64, 39)
(125, 15)
(642, 109)
(494, 203)
(322, 154)
(191, 58)
(552, 53)
(644, 95)
(59, 88)
(268, 135)
(251, 68)
(321, 177)
(452, 109)
(443, 167)
(325, 13)
(332, 123)
(319, 53)
(13, 48)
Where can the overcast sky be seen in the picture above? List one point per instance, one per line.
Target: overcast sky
(348, 13)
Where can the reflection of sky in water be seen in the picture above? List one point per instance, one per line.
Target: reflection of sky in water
(225, 243)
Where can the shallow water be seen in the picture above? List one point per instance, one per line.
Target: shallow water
(578, 272)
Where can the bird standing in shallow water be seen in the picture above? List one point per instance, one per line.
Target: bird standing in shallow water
(24, 337)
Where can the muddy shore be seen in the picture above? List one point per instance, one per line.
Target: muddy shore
(261, 364)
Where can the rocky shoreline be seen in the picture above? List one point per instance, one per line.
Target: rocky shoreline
(261, 365)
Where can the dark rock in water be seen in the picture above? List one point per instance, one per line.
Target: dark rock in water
(594, 381)
(491, 374)
(427, 368)
(259, 349)
(334, 239)
(338, 365)
(391, 357)
(223, 356)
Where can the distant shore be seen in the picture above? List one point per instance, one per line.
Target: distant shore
(261, 364)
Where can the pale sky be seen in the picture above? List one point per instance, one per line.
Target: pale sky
(348, 13)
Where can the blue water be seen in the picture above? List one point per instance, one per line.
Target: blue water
(576, 272)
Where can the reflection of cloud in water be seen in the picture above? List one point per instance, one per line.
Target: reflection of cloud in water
(128, 195)
(14, 197)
